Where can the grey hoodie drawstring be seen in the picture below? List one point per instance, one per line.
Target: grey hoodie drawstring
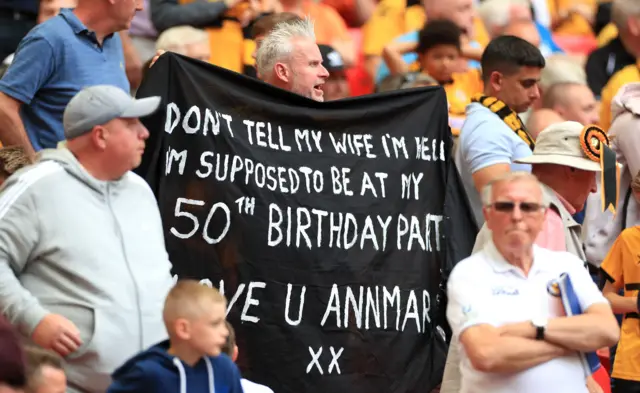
(183, 375)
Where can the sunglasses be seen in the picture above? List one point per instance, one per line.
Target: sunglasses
(525, 207)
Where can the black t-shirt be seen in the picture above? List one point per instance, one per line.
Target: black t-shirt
(606, 61)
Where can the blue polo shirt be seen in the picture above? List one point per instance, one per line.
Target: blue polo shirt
(54, 62)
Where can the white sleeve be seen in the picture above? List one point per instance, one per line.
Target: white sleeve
(468, 303)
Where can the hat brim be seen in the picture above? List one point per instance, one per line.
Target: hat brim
(142, 107)
(574, 162)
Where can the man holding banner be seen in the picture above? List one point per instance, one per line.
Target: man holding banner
(515, 333)
(312, 219)
(289, 58)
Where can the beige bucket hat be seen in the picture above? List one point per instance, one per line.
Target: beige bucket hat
(560, 144)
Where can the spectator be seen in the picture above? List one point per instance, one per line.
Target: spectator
(13, 374)
(186, 41)
(497, 15)
(45, 371)
(192, 359)
(12, 158)
(514, 335)
(439, 49)
(133, 64)
(88, 285)
(572, 101)
(621, 51)
(620, 268)
(336, 86)
(541, 119)
(17, 17)
(290, 59)
(231, 349)
(493, 135)
(227, 22)
(461, 12)
(54, 61)
(567, 176)
(558, 68)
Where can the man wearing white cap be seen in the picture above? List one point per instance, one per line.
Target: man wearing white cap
(567, 176)
(83, 266)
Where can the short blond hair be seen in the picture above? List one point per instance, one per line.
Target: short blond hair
(189, 299)
(176, 39)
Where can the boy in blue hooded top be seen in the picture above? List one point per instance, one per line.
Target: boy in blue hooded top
(192, 359)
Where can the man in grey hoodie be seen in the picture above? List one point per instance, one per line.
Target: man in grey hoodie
(83, 265)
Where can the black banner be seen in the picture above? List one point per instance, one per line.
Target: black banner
(330, 227)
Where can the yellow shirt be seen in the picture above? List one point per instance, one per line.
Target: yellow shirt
(576, 24)
(607, 34)
(459, 93)
(391, 19)
(630, 73)
(227, 42)
(622, 265)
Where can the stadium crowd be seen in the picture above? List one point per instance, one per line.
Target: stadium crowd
(537, 92)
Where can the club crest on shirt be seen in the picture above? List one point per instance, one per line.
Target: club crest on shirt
(553, 288)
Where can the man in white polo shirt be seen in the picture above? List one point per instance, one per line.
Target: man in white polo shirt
(513, 334)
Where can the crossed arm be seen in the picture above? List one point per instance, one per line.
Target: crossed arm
(513, 347)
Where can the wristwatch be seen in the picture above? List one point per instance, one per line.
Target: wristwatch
(540, 324)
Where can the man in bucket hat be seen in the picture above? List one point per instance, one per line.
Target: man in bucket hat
(567, 174)
(83, 267)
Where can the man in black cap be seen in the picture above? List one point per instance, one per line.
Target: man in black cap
(336, 86)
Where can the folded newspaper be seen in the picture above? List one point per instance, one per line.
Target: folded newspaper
(563, 288)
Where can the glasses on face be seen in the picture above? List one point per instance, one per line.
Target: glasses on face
(509, 207)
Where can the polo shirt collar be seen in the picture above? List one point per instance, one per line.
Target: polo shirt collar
(500, 265)
(76, 25)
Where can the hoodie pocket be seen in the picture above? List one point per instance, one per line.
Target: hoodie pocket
(83, 317)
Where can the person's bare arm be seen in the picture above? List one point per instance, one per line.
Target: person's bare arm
(166, 14)
(347, 50)
(12, 131)
(619, 304)
(489, 351)
(483, 176)
(392, 56)
(596, 328)
(133, 63)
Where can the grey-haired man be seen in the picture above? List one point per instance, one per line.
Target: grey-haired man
(567, 177)
(83, 266)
